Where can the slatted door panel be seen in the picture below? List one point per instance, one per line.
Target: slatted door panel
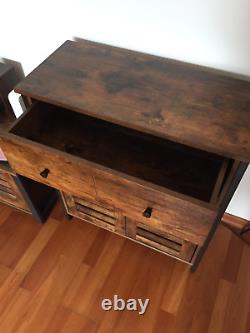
(104, 216)
(165, 243)
(9, 192)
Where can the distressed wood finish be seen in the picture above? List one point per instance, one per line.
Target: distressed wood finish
(103, 216)
(162, 142)
(145, 233)
(161, 241)
(72, 175)
(166, 164)
(147, 93)
(172, 214)
(65, 173)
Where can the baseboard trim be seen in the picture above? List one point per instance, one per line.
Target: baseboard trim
(233, 221)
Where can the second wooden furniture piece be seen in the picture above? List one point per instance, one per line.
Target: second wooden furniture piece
(149, 148)
(17, 191)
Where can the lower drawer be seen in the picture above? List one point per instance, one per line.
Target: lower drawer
(9, 192)
(104, 216)
(155, 239)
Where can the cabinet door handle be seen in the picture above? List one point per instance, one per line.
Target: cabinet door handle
(44, 173)
(147, 212)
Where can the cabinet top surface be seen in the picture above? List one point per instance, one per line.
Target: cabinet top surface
(189, 104)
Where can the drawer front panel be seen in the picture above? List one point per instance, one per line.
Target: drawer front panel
(103, 216)
(169, 214)
(9, 192)
(177, 216)
(61, 172)
(163, 242)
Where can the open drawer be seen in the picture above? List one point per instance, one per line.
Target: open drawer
(47, 135)
(96, 159)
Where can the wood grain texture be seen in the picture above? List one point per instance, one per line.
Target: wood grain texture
(181, 215)
(237, 225)
(56, 284)
(170, 220)
(234, 221)
(178, 216)
(190, 104)
(64, 173)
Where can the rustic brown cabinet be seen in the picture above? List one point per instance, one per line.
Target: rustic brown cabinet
(150, 148)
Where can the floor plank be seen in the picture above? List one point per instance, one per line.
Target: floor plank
(218, 318)
(175, 289)
(16, 237)
(232, 262)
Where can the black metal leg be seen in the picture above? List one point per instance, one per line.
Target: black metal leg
(233, 186)
(39, 197)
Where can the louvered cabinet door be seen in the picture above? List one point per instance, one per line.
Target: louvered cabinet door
(103, 216)
(9, 192)
(164, 242)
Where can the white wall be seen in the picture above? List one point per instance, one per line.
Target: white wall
(213, 33)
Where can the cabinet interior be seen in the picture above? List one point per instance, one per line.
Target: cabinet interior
(153, 159)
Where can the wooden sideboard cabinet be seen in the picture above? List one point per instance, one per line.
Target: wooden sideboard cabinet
(146, 147)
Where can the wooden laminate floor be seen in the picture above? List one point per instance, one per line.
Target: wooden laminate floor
(53, 278)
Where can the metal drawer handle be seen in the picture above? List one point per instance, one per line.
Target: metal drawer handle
(147, 212)
(44, 173)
